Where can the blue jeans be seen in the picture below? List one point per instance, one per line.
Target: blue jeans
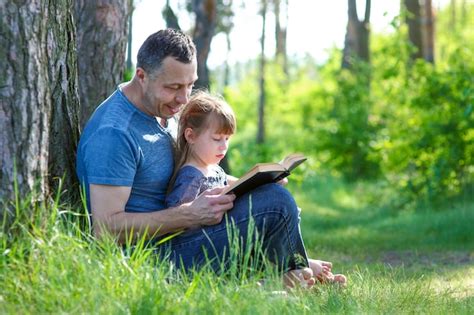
(276, 218)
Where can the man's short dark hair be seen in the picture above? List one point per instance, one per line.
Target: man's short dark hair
(164, 43)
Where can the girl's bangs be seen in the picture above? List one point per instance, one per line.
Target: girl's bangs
(222, 124)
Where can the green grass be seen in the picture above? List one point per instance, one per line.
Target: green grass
(411, 261)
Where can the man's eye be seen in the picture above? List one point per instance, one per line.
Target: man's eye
(173, 87)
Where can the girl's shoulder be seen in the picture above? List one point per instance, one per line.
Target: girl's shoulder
(190, 171)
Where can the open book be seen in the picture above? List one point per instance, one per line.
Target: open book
(264, 173)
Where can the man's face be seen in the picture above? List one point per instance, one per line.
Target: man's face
(168, 90)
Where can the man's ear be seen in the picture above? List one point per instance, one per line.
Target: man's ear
(189, 135)
(140, 74)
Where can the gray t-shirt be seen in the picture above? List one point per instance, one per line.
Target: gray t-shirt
(122, 146)
(191, 182)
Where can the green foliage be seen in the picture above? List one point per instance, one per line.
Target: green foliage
(128, 75)
(429, 147)
(346, 131)
(410, 123)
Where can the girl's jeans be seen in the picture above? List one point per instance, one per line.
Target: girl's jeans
(276, 220)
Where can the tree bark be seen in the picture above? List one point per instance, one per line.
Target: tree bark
(261, 101)
(413, 21)
(204, 31)
(101, 46)
(65, 120)
(356, 43)
(429, 27)
(39, 121)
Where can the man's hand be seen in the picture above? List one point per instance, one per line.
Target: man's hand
(209, 208)
(108, 213)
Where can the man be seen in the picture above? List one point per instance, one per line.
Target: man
(125, 160)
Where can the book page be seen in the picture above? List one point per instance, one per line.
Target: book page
(293, 160)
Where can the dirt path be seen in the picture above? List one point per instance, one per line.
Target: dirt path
(409, 258)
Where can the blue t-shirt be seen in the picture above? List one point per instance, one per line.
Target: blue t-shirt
(122, 146)
(191, 182)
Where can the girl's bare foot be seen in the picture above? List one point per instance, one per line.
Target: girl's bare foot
(302, 278)
(322, 271)
(340, 279)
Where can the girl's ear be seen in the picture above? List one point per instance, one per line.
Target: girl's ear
(189, 135)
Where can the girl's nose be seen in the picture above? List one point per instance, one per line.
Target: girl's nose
(223, 145)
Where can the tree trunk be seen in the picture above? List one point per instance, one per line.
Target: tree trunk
(428, 47)
(280, 35)
(170, 17)
(101, 46)
(356, 43)
(225, 161)
(204, 31)
(129, 42)
(226, 61)
(39, 121)
(464, 13)
(413, 21)
(261, 102)
(452, 22)
(65, 119)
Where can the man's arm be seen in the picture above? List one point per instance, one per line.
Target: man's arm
(108, 213)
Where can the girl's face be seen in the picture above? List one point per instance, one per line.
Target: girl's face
(209, 147)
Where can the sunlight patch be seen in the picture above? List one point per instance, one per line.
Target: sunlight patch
(151, 138)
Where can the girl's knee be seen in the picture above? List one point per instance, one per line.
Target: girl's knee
(275, 197)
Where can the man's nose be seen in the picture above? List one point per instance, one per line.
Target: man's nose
(182, 97)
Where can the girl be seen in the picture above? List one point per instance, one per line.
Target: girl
(205, 127)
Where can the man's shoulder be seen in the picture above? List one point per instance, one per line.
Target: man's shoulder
(116, 112)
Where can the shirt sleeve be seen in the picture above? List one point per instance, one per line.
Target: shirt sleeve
(185, 189)
(111, 158)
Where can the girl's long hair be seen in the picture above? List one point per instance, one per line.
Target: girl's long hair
(203, 111)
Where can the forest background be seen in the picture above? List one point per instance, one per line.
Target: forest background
(387, 124)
